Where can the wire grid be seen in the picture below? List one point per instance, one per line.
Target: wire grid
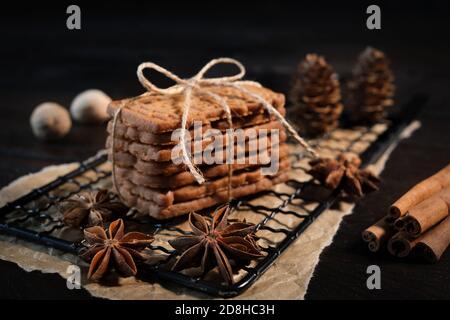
(41, 215)
(280, 214)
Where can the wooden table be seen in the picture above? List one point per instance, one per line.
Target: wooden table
(42, 60)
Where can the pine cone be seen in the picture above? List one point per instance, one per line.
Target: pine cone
(371, 88)
(316, 96)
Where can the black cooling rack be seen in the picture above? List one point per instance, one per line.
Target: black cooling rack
(20, 217)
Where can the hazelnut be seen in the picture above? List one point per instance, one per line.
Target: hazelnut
(50, 121)
(90, 107)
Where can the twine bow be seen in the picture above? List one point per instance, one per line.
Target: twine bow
(200, 84)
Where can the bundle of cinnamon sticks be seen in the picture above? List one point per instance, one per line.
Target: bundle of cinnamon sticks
(419, 221)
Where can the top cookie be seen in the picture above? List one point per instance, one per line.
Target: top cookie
(158, 113)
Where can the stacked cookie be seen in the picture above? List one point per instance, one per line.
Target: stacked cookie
(149, 173)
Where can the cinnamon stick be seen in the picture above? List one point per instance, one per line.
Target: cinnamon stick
(420, 192)
(377, 234)
(434, 242)
(428, 213)
(390, 220)
(401, 244)
(399, 224)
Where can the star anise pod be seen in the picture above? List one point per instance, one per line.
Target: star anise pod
(215, 243)
(114, 245)
(91, 208)
(345, 171)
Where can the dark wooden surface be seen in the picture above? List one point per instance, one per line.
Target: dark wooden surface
(41, 60)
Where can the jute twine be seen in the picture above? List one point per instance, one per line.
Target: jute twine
(198, 84)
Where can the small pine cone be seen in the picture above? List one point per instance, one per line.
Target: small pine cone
(371, 88)
(316, 96)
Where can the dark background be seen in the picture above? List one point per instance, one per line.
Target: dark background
(41, 60)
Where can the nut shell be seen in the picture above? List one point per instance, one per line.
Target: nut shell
(90, 107)
(50, 121)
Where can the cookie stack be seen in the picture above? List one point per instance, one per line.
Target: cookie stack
(148, 173)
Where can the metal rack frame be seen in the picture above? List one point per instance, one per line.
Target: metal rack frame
(159, 271)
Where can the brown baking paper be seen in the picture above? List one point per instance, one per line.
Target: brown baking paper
(287, 278)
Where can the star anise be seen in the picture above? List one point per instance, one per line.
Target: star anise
(215, 242)
(91, 208)
(344, 171)
(114, 245)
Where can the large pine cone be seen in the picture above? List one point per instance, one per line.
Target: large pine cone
(371, 88)
(316, 96)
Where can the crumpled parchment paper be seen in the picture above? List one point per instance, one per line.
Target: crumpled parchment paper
(287, 278)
